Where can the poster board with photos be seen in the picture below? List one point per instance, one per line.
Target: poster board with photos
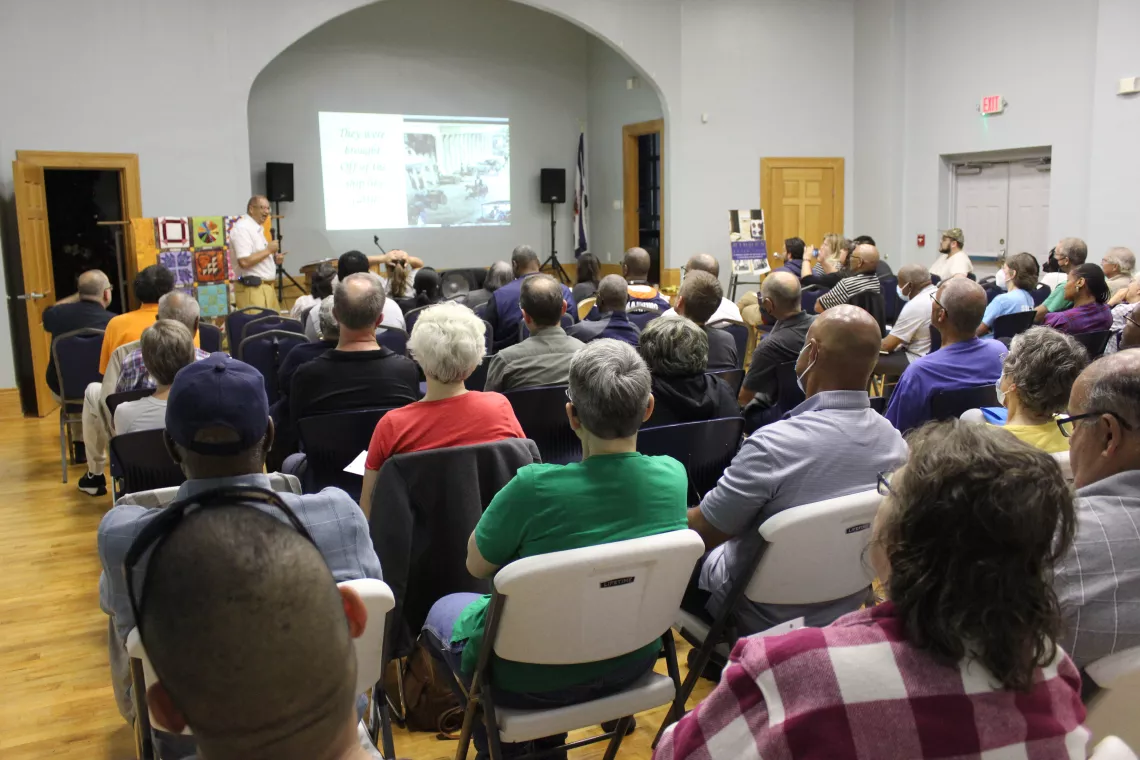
(746, 239)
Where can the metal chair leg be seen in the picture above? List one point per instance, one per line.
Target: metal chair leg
(494, 746)
(619, 734)
(62, 444)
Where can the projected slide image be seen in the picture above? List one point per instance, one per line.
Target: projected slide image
(384, 171)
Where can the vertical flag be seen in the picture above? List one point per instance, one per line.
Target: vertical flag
(581, 201)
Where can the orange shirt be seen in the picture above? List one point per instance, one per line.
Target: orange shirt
(125, 328)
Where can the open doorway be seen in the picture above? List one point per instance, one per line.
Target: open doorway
(643, 148)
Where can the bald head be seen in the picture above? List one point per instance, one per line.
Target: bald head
(94, 286)
(865, 258)
(844, 344)
(182, 307)
(612, 293)
(783, 290)
(915, 275)
(703, 262)
(963, 306)
(635, 265)
(1107, 442)
(358, 302)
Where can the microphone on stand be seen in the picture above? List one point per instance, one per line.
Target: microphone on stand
(376, 242)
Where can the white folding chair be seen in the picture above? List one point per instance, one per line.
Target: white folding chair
(1106, 671)
(378, 601)
(811, 554)
(1112, 748)
(1062, 458)
(578, 606)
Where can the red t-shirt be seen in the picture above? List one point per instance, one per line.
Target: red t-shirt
(465, 420)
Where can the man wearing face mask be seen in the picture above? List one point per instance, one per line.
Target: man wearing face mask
(831, 445)
(909, 339)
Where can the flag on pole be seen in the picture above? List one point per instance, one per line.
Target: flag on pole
(581, 201)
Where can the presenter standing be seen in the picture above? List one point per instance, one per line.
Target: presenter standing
(255, 258)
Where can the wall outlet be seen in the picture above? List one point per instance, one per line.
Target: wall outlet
(618, 205)
(1129, 86)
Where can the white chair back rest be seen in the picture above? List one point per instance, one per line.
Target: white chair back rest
(1062, 458)
(1113, 748)
(590, 604)
(816, 551)
(1108, 670)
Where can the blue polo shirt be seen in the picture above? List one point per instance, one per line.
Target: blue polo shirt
(960, 365)
(503, 312)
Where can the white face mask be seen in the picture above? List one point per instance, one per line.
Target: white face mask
(800, 377)
(1000, 279)
(1000, 392)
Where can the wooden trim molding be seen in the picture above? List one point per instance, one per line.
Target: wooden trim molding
(629, 135)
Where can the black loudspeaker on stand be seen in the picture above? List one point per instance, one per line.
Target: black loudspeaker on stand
(553, 191)
(278, 188)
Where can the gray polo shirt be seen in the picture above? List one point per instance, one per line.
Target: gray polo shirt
(541, 359)
(833, 444)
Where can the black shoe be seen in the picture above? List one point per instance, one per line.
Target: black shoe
(94, 485)
(611, 725)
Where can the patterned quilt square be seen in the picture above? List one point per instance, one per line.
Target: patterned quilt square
(209, 232)
(210, 266)
(173, 232)
(214, 300)
(180, 263)
(230, 222)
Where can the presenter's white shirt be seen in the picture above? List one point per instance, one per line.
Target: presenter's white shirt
(726, 310)
(947, 266)
(247, 238)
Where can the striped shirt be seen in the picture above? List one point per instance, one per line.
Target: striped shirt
(846, 289)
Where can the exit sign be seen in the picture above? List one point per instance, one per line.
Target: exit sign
(992, 104)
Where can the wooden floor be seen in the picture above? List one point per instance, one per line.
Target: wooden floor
(55, 693)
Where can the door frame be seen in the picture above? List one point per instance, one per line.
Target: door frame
(629, 155)
(769, 164)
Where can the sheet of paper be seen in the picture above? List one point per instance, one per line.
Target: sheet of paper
(776, 630)
(356, 466)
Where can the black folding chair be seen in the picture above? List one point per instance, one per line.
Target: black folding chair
(477, 380)
(1095, 342)
(76, 359)
(734, 378)
(949, 404)
(393, 338)
(330, 442)
(872, 303)
(740, 333)
(115, 399)
(1040, 293)
(266, 351)
(888, 287)
(788, 393)
(140, 462)
(210, 337)
(540, 413)
(1009, 325)
(237, 320)
(705, 448)
(935, 338)
(410, 317)
(270, 323)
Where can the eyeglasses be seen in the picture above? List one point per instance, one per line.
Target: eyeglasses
(883, 484)
(940, 306)
(1128, 316)
(568, 396)
(1067, 423)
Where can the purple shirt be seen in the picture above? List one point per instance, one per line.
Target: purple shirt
(1092, 317)
(960, 365)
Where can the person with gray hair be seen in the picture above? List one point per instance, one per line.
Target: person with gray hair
(498, 275)
(178, 306)
(780, 296)
(544, 357)
(85, 308)
(677, 352)
(167, 347)
(613, 322)
(1117, 265)
(448, 343)
(549, 508)
(1071, 253)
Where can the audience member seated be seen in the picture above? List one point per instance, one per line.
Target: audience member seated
(703, 262)
(830, 257)
(1130, 335)
(1070, 254)
(909, 338)
(177, 305)
(642, 296)
(1123, 310)
(793, 257)
(252, 638)
(859, 277)
(1019, 273)
(1117, 266)
(1037, 375)
(320, 286)
(85, 308)
(833, 444)
(544, 357)
(167, 347)
(589, 274)
(698, 299)
(498, 275)
(428, 286)
(962, 660)
(759, 394)
(503, 311)
(613, 322)
(400, 270)
(302, 354)
(952, 260)
(447, 343)
(613, 494)
(1088, 291)
(218, 430)
(350, 263)
(677, 352)
(1098, 581)
(963, 361)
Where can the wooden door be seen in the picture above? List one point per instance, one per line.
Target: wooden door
(35, 255)
(800, 197)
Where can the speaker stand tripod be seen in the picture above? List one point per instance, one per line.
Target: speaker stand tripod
(552, 261)
(281, 273)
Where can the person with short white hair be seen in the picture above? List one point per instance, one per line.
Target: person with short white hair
(1118, 265)
(448, 343)
(167, 347)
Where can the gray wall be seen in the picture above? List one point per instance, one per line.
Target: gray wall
(492, 58)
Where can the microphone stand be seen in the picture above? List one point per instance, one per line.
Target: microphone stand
(281, 273)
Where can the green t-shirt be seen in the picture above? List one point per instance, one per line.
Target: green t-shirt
(1055, 301)
(549, 508)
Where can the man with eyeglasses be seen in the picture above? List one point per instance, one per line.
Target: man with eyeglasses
(1098, 581)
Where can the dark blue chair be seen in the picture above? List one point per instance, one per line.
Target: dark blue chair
(704, 448)
(1040, 293)
(477, 380)
(643, 318)
(541, 413)
(76, 356)
(237, 320)
(888, 286)
(209, 337)
(268, 323)
(566, 321)
(330, 442)
(739, 332)
(809, 296)
(265, 351)
(1095, 342)
(115, 399)
(141, 462)
(734, 378)
(788, 395)
(1009, 325)
(949, 404)
(411, 316)
(393, 338)
(935, 338)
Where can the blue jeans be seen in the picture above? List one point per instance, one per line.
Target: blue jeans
(437, 634)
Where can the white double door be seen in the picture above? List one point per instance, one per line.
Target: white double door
(1003, 209)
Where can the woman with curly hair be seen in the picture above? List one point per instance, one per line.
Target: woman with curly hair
(961, 659)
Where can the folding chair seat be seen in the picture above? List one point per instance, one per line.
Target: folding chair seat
(76, 359)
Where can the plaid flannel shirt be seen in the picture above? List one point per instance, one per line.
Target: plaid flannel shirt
(133, 375)
(857, 690)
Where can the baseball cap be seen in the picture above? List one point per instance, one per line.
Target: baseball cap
(955, 233)
(218, 391)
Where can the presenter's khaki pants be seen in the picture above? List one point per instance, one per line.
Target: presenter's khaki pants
(264, 295)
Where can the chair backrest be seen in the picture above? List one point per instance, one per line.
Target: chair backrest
(566, 321)
(210, 337)
(734, 378)
(76, 356)
(237, 320)
(265, 351)
(815, 552)
(1009, 325)
(591, 604)
(1062, 458)
(879, 404)
(411, 315)
(1040, 293)
(740, 332)
(585, 305)
(477, 380)
(705, 448)
(540, 413)
(330, 442)
(115, 399)
(1095, 342)
(788, 393)
(393, 338)
(888, 286)
(643, 318)
(949, 404)
(1108, 670)
(140, 460)
(935, 338)
(809, 296)
(1113, 748)
(872, 303)
(270, 323)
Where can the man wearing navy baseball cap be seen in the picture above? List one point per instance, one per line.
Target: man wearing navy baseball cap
(218, 430)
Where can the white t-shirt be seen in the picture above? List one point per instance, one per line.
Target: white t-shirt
(726, 310)
(247, 238)
(409, 289)
(913, 325)
(302, 305)
(147, 413)
(1053, 279)
(947, 266)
